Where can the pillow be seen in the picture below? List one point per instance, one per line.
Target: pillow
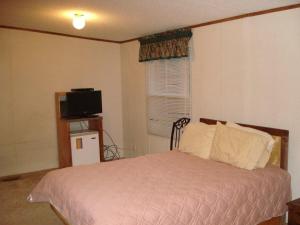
(276, 152)
(237, 147)
(265, 156)
(197, 139)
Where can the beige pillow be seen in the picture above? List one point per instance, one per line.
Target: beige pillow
(265, 156)
(237, 147)
(197, 139)
(276, 152)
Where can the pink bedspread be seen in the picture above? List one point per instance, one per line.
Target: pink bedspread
(171, 188)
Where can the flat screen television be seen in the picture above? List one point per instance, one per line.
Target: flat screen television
(81, 104)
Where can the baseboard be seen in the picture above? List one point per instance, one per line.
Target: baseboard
(23, 175)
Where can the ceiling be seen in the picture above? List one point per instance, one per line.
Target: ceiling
(120, 20)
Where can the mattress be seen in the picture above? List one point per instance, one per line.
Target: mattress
(171, 188)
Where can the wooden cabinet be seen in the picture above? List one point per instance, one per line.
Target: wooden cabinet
(63, 133)
(294, 212)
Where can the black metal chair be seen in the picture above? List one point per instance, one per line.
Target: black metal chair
(177, 130)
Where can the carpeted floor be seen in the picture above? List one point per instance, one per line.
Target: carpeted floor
(14, 208)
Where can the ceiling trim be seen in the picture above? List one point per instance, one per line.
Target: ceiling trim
(247, 15)
(267, 11)
(257, 13)
(59, 34)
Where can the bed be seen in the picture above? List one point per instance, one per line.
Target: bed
(171, 188)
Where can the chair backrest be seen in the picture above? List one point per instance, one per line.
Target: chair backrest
(177, 130)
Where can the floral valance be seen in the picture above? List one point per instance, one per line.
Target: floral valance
(170, 44)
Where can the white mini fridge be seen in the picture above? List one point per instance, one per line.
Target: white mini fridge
(85, 148)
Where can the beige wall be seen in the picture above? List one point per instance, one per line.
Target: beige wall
(245, 70)
(32, 67)
(134, 100)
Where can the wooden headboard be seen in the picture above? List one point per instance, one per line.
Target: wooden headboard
(283, 134)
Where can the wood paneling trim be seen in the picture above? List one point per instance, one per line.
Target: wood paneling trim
(283, 8)
(59, 34)
(129, 40)
(23, 175)
(247, 15)
(234, 18)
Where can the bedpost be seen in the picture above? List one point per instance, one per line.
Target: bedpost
(177, 130)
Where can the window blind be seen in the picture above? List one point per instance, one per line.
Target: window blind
(168, 94)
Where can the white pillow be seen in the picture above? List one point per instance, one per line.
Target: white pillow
(237, 147)
(197, 139)
(265, 156)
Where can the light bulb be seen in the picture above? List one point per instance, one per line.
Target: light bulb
(78, 21)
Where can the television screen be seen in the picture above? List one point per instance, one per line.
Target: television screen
(82, 104)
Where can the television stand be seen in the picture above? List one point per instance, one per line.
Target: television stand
(63, 132)
(79, 117)
(91, 116)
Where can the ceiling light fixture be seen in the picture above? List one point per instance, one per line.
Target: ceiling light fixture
(78, 21)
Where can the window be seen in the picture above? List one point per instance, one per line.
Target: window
(168, 94)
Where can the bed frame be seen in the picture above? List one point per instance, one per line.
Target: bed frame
(175, 138)
(179, 125)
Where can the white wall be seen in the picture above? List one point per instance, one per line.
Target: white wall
(134, 101)
(248, 71)
(32, 67)
(245, 70)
